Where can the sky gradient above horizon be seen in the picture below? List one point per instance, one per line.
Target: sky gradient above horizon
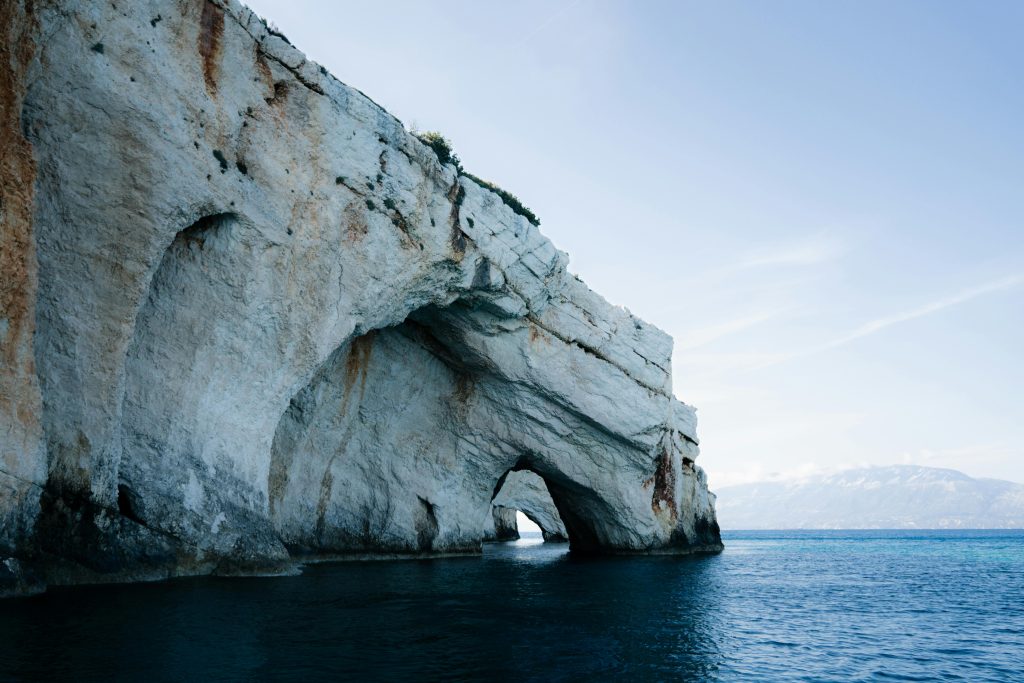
(822, 202)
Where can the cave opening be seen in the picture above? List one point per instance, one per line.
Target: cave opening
(126, 505)
(522, 509)
(526, 526)
(409, 439)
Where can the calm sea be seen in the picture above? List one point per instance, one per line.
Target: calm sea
(806, 606)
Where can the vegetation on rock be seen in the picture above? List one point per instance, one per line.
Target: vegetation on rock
(446, 155)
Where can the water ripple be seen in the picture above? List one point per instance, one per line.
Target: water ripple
(814, 606)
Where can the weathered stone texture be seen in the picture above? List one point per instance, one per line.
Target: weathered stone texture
(22, 456)
(266, 321)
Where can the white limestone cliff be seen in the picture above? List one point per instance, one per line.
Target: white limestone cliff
(248, 316)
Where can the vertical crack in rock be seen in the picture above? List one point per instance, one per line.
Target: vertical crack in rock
(456, 195)
(663, 497)
(426, 525)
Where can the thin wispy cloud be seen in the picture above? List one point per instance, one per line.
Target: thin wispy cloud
(879, 324)
(813, 250)
(776, 276)
(544, 24)
(708, 367)
(693, 339)
(810, 253)
(717, 364)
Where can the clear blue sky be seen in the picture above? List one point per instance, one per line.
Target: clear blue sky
(822, 202)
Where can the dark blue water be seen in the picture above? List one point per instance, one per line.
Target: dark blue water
(812, 606)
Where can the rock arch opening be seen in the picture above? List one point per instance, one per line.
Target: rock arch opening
(395, 445)
(527, 527)
(526, 493)
(368, 457)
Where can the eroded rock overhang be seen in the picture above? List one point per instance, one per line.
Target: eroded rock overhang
(268, 322)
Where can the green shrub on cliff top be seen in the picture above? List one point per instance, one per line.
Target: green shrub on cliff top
(441, 146)
(446, 155)
(511, 201)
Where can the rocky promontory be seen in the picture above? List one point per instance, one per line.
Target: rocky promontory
(248, 317)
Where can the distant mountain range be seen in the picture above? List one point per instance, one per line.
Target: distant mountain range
(897, 497)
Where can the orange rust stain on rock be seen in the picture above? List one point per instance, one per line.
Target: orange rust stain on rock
(536, 334)
(663, 497)
(464, 388)
(17, 245)
(357, 363)
(267, 76)
(354, 222)
(211, 33)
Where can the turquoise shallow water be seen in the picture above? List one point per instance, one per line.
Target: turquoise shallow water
(801, 606)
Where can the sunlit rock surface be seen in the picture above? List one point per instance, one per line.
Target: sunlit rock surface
(248, 316)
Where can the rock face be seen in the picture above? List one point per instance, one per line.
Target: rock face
(503, 526)
(248, 316)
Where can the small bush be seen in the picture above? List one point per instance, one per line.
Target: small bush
(441, 146)
(273, 30)
(446, 155)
